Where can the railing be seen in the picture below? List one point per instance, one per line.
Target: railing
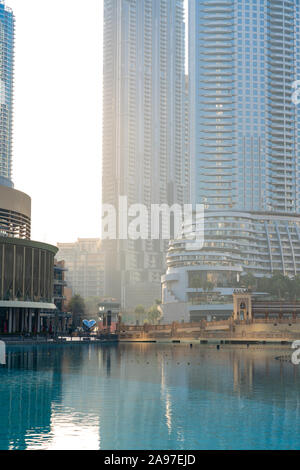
(15, 338)
(277, 320)
(204, 324)
(204, 330)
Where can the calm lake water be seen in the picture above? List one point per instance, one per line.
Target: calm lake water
(148, 396)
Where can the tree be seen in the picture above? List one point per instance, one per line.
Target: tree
(295, 288)
(249, 281)
(153, 314)
(280, 286)
(140, 313)
(140, 310)
(77, 308)
(92, 307)
(263, 284)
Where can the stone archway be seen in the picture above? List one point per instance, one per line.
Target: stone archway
(242, 305)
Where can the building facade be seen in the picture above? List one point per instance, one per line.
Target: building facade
(143, 131)
(244, 149)
(84, 261)
(26, 284)
(26, 267)
(244, 139)
(15, 213)
(7, 26)
(63, 319)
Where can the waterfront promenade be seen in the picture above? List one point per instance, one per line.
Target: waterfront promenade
(222, 331)
(260, 330)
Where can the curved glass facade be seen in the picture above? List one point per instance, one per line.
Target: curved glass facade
(27, 270)
(243, 59)
(234, 243)
(7, 26)
(240, 241)
(244, 56)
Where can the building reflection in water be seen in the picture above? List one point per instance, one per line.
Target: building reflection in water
(116, 396)
(2, 353)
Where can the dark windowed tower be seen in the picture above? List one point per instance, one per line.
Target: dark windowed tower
(144, 131)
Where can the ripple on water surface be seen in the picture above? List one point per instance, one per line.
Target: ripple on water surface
(148, 396)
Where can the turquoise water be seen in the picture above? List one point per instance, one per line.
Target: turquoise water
(148, 396)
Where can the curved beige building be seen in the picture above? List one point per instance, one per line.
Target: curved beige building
(26, 284)
(15, 213)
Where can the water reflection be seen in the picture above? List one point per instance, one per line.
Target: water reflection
(2, 353)
(147, 396)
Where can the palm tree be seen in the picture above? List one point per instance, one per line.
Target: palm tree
(249, 281)
(153, 314)
(140, 312)
(295, 287)
(77, 308)
(279, 286)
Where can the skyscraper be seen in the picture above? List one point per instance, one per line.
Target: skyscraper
(244, 57)
(144, 131)
(84, 261)
(244, 144)
(7, 21)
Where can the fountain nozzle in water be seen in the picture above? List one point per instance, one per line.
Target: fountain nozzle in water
(2, 353)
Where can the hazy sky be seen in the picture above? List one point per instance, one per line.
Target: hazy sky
(57, 133)
(58, 115)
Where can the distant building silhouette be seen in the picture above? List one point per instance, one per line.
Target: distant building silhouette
(84, 260)
(143, 131)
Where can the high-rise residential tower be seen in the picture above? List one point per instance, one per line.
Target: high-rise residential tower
(143, 131)
(244, 144)
(7, 21)
(84, 261)
(244, 57)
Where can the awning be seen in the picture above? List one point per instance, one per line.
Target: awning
(20, 304)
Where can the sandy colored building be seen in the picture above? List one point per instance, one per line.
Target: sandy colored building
(84, 261)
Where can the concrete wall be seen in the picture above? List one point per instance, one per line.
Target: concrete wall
(216, 331)
(12, 200)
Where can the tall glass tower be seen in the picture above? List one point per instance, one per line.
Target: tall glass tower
(244, 57)
(144, 131)
(7, 21)
(244, 127)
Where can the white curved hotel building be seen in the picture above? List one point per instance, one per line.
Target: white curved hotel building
(144, 126)
(244, 146)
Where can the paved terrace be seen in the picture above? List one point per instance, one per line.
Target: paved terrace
(228, 331)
